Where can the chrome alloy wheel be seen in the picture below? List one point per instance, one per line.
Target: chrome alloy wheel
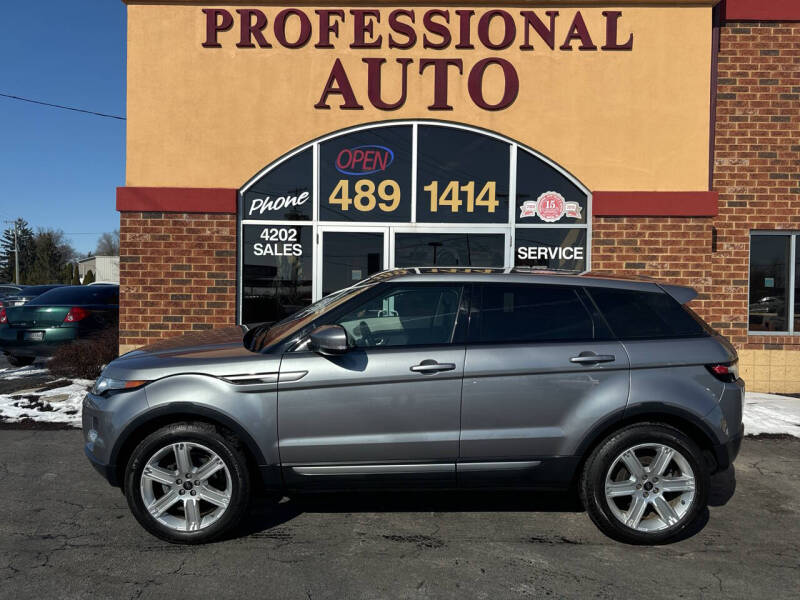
(650, 487)
(186, 486)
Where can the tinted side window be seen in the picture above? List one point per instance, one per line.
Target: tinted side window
(635, 315)
(405, 316)
(74, 294)
(531, 313)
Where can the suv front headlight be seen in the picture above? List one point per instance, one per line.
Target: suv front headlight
(105, 384)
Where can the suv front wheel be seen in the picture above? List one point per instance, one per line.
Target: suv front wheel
(187, 483)
(645, 484)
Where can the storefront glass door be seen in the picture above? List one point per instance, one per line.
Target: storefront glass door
(348, 256)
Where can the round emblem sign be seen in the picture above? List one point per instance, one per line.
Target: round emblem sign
(551, 207)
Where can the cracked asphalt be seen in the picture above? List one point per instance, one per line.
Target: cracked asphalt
(64, 533)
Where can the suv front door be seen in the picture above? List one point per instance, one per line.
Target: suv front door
(389, 407)
(541, 370)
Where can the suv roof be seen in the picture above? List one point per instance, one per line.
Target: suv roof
(682, 294)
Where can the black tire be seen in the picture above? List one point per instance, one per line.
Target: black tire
(207, 435)
(593, 478)
(20, 361)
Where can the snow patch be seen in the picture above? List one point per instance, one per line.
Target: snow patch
(59, 405)
(770, 413)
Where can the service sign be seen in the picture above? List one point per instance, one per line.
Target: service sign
(550, 248)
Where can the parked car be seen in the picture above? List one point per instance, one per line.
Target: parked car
(54, 318)
(416, 378)
(27, 293)
(8, 289)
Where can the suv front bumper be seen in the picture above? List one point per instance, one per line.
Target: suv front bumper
(104, 419)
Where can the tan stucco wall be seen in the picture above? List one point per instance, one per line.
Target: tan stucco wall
(638, 120)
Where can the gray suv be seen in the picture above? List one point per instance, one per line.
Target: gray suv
(431, 378)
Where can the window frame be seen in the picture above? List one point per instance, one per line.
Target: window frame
(790, 312)
(459, 335)
(706, 330)
(476, 316)
(510, 227)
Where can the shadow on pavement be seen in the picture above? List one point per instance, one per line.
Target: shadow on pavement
(266, 513)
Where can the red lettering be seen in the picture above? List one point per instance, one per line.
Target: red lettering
(339, 162)
(249, 30)
(440, 66)
(612, 16)
(578, 31)
(363, 26)
(326, 27)
(435, 28)
(382, 158)
(214, 26)
(510, 30)
(548, 35)
(374, 82)
(464, 33)
(401, 28)
(475, 83)
(338, 83)
(280, 28)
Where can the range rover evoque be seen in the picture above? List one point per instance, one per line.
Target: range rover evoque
(444, 378)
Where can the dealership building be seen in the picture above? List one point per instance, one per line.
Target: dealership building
(277, 152)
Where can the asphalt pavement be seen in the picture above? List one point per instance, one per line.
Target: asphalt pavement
(64, 533)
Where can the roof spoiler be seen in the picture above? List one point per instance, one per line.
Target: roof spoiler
(682, 293)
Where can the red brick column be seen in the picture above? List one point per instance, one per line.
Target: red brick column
(672, 249)
(177, 274)
(757, 158)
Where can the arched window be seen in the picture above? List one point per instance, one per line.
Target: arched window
(402, 194)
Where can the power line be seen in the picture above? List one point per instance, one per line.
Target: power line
(80, 110)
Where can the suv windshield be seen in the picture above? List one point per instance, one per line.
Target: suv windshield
(264, 336)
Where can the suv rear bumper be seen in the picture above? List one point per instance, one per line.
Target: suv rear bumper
(726, 453)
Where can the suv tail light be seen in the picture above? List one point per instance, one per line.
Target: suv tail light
(3, 317)
(725, 372)
(75, 314)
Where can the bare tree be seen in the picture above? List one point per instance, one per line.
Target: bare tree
(108, 244)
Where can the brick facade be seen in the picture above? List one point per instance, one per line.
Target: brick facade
(177, 274)
(757, 152)
(178, 270)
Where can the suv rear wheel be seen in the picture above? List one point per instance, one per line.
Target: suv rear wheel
(645, 484)
(187, 483)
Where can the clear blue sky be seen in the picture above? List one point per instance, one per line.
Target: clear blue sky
(60, 168)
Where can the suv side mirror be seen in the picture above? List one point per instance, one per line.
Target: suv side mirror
(328, 340)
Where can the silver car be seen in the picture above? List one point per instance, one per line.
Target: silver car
(431, 378)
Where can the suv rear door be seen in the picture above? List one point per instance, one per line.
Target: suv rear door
(541, 371)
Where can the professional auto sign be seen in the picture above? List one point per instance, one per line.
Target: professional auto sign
(364, 160)
(447, 32)
(550, 207)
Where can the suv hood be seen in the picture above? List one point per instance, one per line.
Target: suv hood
(217, 352)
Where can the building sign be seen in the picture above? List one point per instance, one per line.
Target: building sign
(366, 175)
(462, 177)
(416, 193)
(446, 33)
(284, 193)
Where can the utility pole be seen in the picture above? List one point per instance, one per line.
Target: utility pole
(16, 253)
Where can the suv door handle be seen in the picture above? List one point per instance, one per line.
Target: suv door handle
(431, 366)
(590, 358)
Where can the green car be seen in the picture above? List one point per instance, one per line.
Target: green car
(57, 317)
